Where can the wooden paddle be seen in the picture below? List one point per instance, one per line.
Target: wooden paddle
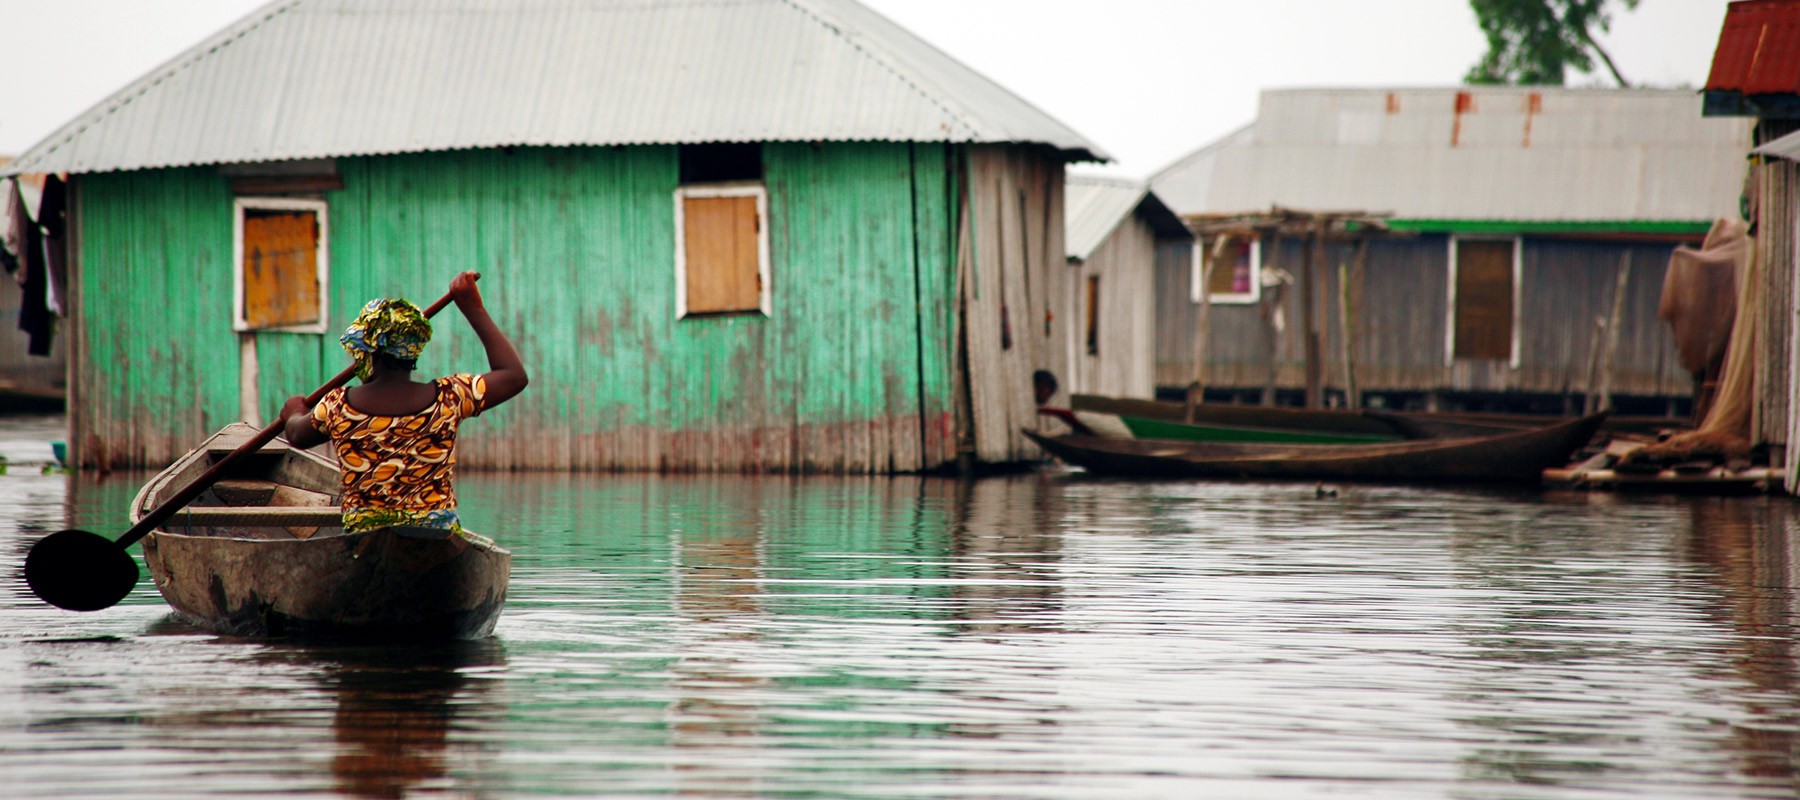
(83, 571)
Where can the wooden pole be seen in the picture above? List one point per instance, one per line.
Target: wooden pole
(1314, 275)
(1349, 281)
(1270, 306)
(1603, 401)
(1196, 392)
(1593, 371)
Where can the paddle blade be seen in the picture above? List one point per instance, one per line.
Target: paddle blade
(80, 571)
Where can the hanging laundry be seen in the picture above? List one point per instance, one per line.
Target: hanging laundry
(53, 220)
(35, 318)
(12, 226)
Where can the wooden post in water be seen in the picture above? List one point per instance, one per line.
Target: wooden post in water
(1309, 308)
(1349, 280)
(1604, 400)
(1593, 368)
(1196, 392)
(1270, 307)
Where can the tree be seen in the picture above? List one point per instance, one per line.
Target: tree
(1537, 41)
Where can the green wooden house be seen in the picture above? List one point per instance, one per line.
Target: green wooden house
(738, 235)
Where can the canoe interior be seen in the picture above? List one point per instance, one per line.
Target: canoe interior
(1147, 428)
(249, 501)
(1517, 455)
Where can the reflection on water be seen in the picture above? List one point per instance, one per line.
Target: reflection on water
(395, 712)
(1748, 551)
(1029, 636)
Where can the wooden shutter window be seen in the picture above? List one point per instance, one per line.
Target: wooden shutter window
(1231, 274)
(720, 243)
(1226, 271)
(1484, 300)
(280, 268)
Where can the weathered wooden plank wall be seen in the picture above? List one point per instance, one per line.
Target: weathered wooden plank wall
(1177, 315)
(1401, 325)
(851, 372)
(1568, 285)
(1015, 235)
(1400, 331)
(1775, 184)
(1122, 363)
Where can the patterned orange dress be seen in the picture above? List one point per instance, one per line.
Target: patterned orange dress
(400, 470)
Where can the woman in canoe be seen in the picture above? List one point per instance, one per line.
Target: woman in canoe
(396, 437)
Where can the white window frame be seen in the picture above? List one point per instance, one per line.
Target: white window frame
(1518, 273)
(756, 190)
(321, 212)
(1197, 278)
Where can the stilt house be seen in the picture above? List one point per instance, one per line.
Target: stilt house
(736, 235)
(1529, 229)
(1756, 77)
(1118, 231)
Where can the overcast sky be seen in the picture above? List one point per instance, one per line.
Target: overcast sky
(1148, 80)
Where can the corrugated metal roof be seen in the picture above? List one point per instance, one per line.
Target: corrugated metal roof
(1093, 207)
(326, 78)
(1759, 49)
(1786, 147)
(1473, 153)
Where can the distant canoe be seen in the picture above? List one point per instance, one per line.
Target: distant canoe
(1372, 422)
(1508, 456)
(263, 553)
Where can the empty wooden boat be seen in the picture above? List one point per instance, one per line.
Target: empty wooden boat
(1153, 419)
(1508, 456)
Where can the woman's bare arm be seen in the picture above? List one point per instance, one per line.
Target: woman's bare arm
(506, 375)
(298, 424)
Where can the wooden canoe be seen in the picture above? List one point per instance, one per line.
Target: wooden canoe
(263, 553)
(1375, 424)
(1153, 419)
(1510, 456)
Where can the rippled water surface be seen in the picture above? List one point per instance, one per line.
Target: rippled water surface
(1036, 636)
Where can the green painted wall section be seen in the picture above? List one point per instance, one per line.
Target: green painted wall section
(161, 360)
(562, 239)
(576, 248)
(850, 228)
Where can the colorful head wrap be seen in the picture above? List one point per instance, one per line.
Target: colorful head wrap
(394, 327)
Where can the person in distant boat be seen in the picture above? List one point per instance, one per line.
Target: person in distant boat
(1043, 385)
(396, 437)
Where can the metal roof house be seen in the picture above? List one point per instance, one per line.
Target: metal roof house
(1515, 217)
(1118, 231)
(1755, 78)
(734, 235)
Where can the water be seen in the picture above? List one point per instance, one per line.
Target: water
(1038, 636)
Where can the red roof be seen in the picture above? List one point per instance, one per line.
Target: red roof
(1759, 49)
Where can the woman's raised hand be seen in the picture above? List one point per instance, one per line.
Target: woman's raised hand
(463, 291)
